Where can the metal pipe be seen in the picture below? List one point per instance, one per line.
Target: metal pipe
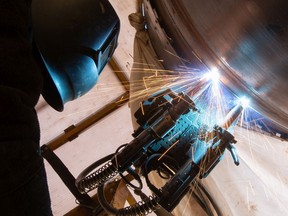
(74, 131)
(246, 40)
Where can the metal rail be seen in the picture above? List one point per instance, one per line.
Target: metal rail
(73, 131)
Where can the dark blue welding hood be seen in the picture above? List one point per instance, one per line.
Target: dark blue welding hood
(73, 41)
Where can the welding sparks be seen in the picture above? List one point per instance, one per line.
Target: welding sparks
(174, 144)
(208, 92)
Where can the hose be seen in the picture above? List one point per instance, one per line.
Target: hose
(198, 195)
(144, 207)
(212, 201)
(86, 183)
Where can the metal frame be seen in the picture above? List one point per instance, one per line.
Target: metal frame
(71, 133)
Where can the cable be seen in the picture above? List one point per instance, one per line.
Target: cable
(201, 201)
(86, 183)
(142, 207)
(103, 202)
(135, 176)
(152, 163)
(205, 204)
(130, 171)
(212, 201)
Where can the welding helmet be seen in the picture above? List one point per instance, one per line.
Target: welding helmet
(72, 41)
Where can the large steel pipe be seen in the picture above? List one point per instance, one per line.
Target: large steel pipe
(246, 40)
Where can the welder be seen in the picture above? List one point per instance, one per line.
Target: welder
(54, 48)
(23, 188)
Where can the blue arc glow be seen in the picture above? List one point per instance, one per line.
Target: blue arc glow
(213, 75)
(243, 101)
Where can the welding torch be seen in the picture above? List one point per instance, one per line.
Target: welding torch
(174, 190)
(158, 128)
